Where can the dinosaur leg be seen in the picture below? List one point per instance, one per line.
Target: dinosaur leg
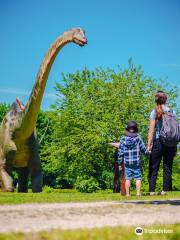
(34, 164)
(36, 174)
(6, 181)
(36, 180)
(22, 179)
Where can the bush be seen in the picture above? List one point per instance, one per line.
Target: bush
(92, 109)
(86, 185)
(3, 110)
(48, 189)
(106, 180)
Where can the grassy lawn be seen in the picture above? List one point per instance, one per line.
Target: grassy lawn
(107, 233)
(52, 196)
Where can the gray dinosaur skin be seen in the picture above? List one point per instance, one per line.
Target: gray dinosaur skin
(19, 147)
(21, 153)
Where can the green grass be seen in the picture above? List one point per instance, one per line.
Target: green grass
(107, 233)
(53, 196)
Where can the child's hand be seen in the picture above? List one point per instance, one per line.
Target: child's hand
(114, 144)
(148, 153)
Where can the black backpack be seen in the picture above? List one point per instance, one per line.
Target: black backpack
(170, 131)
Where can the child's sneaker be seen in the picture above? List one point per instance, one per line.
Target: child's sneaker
(151, 193)
(163, 193)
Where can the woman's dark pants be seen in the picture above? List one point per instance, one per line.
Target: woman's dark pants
(160, 151)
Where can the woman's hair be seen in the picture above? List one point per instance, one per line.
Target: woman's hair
(160, 99)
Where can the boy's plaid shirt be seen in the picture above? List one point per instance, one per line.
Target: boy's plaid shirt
(130, 149)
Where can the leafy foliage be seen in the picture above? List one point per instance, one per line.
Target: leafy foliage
(44, 127)
(86, 185)
(3, 110)
(93, 109)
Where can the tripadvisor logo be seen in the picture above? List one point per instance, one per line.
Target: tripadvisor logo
(138, 231)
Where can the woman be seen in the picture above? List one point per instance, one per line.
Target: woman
(157, 149)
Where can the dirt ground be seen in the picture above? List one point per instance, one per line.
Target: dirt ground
(37, 217)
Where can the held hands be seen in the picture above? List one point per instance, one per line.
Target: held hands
(149, 148)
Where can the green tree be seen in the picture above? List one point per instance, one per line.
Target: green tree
(93, 109)
(44, 132)
(3, 110)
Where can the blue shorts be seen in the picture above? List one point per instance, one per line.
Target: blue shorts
(133, 172)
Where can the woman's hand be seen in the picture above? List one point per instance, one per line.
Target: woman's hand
(151, 135)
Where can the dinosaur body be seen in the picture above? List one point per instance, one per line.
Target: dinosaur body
(19, 146)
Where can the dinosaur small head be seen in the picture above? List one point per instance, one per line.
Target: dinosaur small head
(79, 37)
(15, 113)
(17, 106)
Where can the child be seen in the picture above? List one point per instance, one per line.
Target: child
(129, 151)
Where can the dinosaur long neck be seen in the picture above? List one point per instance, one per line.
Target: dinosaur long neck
(32, 108)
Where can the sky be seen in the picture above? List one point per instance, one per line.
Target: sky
(146, 31)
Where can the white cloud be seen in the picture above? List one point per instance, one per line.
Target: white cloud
(14, 91)
(23, 92)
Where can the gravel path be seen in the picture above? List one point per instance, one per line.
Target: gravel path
(37, 217)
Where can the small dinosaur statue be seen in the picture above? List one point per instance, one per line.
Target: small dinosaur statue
(19, 146)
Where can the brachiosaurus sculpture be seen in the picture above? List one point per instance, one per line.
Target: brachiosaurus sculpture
(18, 141)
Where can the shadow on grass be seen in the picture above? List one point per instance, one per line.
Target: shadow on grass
(171, 202)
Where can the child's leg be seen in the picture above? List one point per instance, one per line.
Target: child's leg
(138, 187)
(127, 186)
